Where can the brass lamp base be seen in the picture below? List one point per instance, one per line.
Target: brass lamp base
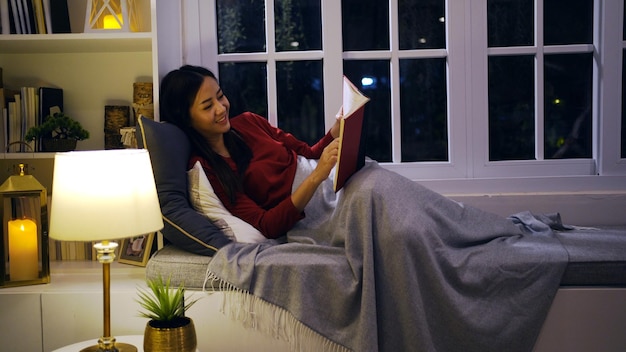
(119, 347)
(106, 343)
(109, 345)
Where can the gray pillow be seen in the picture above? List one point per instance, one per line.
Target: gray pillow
(169, 151)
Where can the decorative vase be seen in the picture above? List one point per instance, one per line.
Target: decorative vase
(58, 145)
(179, 339)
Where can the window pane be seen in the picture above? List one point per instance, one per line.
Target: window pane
(298, 25)
(245, 86)
(422, 24)
(568, 94)
(568, 22)
(510, 23)
(511, 108)
(623, 149)
(240, 26)
(372, 78)
(365, 24)
(301, 99)
(423, 110)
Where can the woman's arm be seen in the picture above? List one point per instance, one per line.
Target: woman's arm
(288, 140)
(272, 223)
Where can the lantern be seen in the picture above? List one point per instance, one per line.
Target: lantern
(24, 250)
(111, 15)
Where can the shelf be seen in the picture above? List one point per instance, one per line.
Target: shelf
(37, 155)
(85, 276)
(94, 69)
(75, 43)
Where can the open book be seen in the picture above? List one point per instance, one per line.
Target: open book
(351, 156)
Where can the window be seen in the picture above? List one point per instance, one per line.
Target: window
(556, 51)
(460, 90)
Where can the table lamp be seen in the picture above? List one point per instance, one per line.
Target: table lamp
(99, 196)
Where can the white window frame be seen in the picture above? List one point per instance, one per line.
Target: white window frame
(468, 171)
(610, 87)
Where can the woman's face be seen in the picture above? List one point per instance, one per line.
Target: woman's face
(209, 111)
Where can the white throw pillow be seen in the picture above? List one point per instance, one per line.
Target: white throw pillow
(205, 201)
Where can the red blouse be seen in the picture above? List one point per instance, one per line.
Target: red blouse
(265, 202)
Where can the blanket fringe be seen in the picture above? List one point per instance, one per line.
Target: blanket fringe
(257, 314)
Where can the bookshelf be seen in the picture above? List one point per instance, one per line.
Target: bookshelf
(93, 69)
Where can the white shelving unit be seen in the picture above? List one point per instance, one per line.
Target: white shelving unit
(94, 69)
(69, 309)
(42, 318)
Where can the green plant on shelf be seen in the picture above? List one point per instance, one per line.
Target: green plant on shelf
(57, 126)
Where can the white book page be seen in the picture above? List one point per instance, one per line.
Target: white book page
(352, 98)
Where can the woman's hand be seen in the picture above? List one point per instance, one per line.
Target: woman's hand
(303, 194)
(328, 160)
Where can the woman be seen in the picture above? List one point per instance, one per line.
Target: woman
(255, 187)
(405, 268)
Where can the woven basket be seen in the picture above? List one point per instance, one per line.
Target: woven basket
(142, 93)
(116, 117)
(143, 100)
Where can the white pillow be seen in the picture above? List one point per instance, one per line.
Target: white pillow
(205, 201)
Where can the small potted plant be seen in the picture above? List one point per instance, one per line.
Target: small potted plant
(58, 133)
(168, 329)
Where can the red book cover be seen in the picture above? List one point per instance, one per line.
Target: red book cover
(351, 156)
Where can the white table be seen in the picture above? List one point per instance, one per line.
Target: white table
(135, 340)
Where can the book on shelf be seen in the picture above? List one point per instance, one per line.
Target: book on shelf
(14, 107)
(5, 17)
(46, 15)
(59, 16)
(351, 157)
(22, 17)
(50, 101)
(15, 16)
(34, 17)
(23, 109)
(29, 18)
(71, 250)
(5, 120)
(30, 115)
(38, 16)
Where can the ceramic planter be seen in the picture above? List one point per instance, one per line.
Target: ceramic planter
(58, 145)
(164, 339)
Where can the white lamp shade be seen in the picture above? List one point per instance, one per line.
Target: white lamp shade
(103, 195)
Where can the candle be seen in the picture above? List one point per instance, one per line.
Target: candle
(110, 22)
(23, 256)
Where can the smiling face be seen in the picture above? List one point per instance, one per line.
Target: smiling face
(209, 111)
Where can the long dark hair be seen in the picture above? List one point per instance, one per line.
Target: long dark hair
(177, 94)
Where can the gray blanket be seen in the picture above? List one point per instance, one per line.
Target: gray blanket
(392, 266)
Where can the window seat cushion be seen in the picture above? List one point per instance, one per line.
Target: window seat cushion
(597, 258)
